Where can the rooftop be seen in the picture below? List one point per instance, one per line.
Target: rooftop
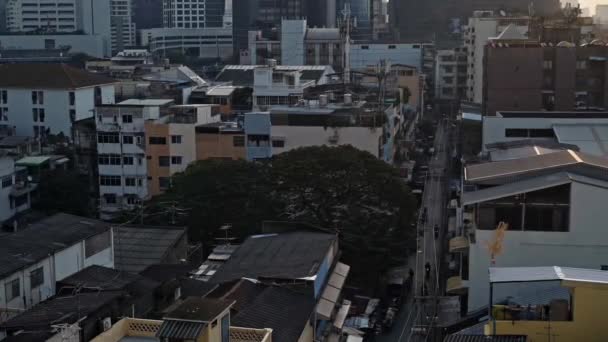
(199, 309)
(242, 75)
(543, 163)
(40, 239)
(553, 115)
(283, 310)
(484, 338)
(15, 140)
(146, 102)
(99, 277)
(58, 310)
(48, 76)
(136, 248)
(292, 255)
(532, 274)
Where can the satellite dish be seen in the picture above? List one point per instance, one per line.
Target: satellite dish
(502, 13)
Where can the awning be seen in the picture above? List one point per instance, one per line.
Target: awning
(458, 244)
(22, 190)
(32, 161)
(456, 286)
(325, 308)
(331, 292)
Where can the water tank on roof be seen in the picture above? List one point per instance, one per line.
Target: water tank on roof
(323, 100)
(271, 62)
(348, 99)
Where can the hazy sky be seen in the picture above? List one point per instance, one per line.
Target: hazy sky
(591, 3)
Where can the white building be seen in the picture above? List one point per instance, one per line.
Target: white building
(482, 26)
(554, 205)
(121, 152)
(35, 258)
(111, 20)
(15, 194)
(31, 15)
(451, 74)
(140, 145)
(588, 131)
(40, 99)
(601, 14)
(209, 42)
(273, 86)
(365, 55)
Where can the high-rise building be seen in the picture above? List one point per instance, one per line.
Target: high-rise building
(123, 27)
(148, 14)
(416, 20)
(361, 11)
(193, 13)
(3, 15)
(40, 15)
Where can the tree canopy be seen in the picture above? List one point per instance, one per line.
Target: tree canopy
(341, 189)
(64, 191)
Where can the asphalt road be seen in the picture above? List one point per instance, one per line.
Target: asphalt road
(430, 248)
(413, 314)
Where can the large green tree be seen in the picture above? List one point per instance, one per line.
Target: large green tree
(341, 189)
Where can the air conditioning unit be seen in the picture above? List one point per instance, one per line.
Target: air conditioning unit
(106, 323)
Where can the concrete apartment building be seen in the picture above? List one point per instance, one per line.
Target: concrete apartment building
(203, 42)
(35, 258)
(42, 99)
(16, 192)
(140, 145)
(532, 77)
(178, 131)
(480, 27)
(96, 27)
(553, 205)
(451, 74)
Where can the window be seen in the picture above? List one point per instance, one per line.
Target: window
(580, 65)
(542, 133)
(72, 115)
(127, 139)
(132, 200)
(129, 181)
(107, 138)
(278, 143)
(99, 242)
(108, 159)
(72, 96)
(163, 161)
(36, 277)
(238, 141)
(157, 141)
(3, 96)
(139, 140)
(225, 328)
(35, 114)
(176, 160)
(140, 182)
(37, 97)
(109, 180)
(7, 181)
(12, 289)
(3, 114)
(41, 114)
(547, 65)
(176, 139)
(164, 182)
(516, 133)
(128, 160)
(110, 198)
(604, 267)
(127, 119)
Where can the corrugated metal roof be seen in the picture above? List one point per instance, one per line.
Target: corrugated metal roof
(516, 167)
(524, 274)
(184, 330)
(484, 338)
(590, 138)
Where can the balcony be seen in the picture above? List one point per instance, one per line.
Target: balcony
(456, 286)
(459, 244)
(134, 329)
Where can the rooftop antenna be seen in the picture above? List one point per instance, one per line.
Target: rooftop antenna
(346, 27)
(226, 229)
